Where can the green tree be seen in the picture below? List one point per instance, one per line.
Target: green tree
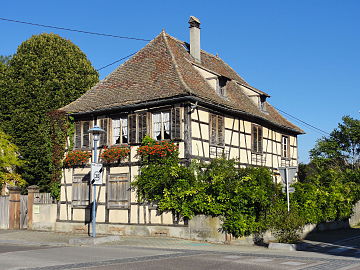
(342, 148)
(5, 59)
(46, 73)
(9, 162)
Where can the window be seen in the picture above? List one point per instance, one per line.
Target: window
(137, 127)
(166, 125)
(216, 130)
(161, 126)
(103, 123)
(120, 130)
(118, 191)
(80, 190)
(220, 88)
(82, 135)
(262, 103)
(285, 147)
(257, 137)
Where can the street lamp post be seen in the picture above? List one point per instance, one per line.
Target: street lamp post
(95, 131)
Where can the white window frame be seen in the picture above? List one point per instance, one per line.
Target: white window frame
(122, 125)
(162, 126)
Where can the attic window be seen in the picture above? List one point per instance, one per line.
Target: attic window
(262, 103)
(186, 46)
(221, 86)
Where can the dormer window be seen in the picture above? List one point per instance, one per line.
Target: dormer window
(262, 103)
(221, 86)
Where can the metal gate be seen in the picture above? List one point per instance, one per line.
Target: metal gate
(23, 211)
(4, 212)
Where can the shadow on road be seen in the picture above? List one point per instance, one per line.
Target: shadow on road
(342, 242)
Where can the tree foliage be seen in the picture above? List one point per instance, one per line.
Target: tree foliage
(342, 148)
(4, 59)
(46, 73)
(9, 162)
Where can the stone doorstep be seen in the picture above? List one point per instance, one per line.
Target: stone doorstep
(94, 240)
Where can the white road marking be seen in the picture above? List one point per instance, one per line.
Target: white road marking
(232, 257)
(293, 263)
(262, 260)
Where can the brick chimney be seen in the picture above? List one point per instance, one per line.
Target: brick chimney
(195, 38)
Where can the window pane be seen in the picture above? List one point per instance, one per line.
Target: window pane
(124, 130)
(166, 125)
(156, 119)
(116, 131)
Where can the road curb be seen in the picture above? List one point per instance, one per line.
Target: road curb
(94, 240)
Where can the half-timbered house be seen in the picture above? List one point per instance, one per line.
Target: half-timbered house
(170, 90)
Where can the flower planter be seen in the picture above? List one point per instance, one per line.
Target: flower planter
(115, 154)
(158, 150)
(76, 158)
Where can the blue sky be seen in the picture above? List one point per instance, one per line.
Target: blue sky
(305, 54)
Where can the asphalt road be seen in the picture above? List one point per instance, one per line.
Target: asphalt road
(46, 250)
(127, 257)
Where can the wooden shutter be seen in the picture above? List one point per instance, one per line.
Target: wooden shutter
(77, 135)
(80, 190)
(118, 191)
(213, 129)
(260, 140)
(142, 126)
(104, 136)
(85, 134)
(254, 136)
(220, 130)
(132, 128)
(176, 123)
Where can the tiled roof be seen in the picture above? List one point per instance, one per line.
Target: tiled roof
(163, 69)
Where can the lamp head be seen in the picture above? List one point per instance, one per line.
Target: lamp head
(96, 131)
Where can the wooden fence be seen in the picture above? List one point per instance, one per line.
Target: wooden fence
(4, 212)
(43, 198)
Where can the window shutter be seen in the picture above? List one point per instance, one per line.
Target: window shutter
(260, 140)
(85, 134)
(132, 128)
(220, 129)
(118, 191)
(212, 128)
(254, 137)
(142, 127)
(104, 136)
(80, 190)
(77, 135)
(176, 123)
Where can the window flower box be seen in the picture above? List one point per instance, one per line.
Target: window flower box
(115, 154)
(76, 158)
(158, 150)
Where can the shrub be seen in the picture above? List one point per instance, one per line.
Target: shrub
(76, 158)
(286, 227)
(115, 154)
(12, 179)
